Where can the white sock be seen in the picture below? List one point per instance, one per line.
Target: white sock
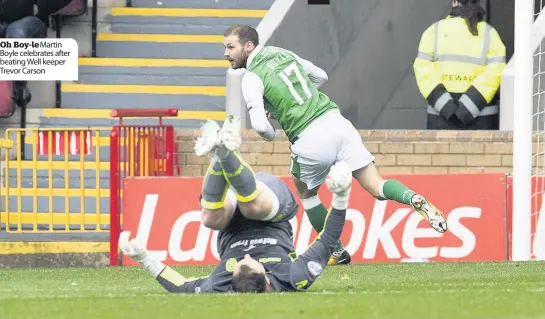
(153, 266)
(381, 190)
(311, 202)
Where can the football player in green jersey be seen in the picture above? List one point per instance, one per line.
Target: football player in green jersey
(279, 84)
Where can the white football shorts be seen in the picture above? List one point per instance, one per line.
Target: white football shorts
(328, 139)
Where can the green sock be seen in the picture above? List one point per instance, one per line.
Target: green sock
(394, 190)
(214, 186)
(317, 214)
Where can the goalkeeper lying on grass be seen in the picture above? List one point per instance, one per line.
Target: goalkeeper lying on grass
(252, 214)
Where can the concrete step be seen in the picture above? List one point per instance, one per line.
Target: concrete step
(59, 218)
(152, 71)
(59, 204)
(100, 119)
(58, 178)
(51, 237)
(180, 21)
(73, 118)
(218, 4)
(104, 155)
(96, 96)
(54, 118)
(162, 46)
(99, 142)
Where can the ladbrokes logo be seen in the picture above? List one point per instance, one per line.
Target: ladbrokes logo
(403, 234)
(164, 213)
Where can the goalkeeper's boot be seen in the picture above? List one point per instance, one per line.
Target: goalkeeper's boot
(209, 138)
(339, 257)
(230, 133)
(433, 215)
(133, 248)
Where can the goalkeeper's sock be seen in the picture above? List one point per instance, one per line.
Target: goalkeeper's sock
(171, 280)
(317, 214)
(396, 191)
(238, 173)
(155, 267)
(214, 186)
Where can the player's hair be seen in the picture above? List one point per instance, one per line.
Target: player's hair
(245, 33)
(473, 13)
(249, 281)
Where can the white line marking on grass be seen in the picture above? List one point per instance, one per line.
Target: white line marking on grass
(432, 291)
(78, 288)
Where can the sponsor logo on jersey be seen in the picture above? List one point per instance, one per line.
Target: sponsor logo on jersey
(252, 243)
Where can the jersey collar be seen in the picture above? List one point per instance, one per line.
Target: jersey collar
(253, 54)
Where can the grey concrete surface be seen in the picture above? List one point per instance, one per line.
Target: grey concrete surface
(369, 55)
(104, 155)
(54, 260)
(162, 50)
(139, 100)
(57, 178)
(71, 122)
(502, 19)
(213, 4)
(78, 28)
(367, 48)
(152, 75)
(176, 25)
(152, 70)
(48, 237)
(142, 79)
(42, 204)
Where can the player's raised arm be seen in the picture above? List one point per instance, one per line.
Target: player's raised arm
(307, 267)
(316, 74)
(170, 279)
(252, 90)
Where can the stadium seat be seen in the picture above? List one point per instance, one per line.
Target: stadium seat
(74, 8)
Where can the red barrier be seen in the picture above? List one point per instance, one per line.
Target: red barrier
(144, 150)
(164, 212)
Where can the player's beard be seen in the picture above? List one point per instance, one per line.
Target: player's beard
(244, 59)
(240, 62)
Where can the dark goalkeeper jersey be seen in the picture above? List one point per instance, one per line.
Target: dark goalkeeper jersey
(271, 244)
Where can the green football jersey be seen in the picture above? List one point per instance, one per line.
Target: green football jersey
(289, 95)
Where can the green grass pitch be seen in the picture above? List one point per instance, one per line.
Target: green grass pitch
(404, 290)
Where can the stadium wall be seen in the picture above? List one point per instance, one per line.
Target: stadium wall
(396, 152)
(368, 48)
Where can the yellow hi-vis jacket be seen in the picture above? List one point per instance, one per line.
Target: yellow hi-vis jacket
(452, 60)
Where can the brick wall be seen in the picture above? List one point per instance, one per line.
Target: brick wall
(396, 152)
